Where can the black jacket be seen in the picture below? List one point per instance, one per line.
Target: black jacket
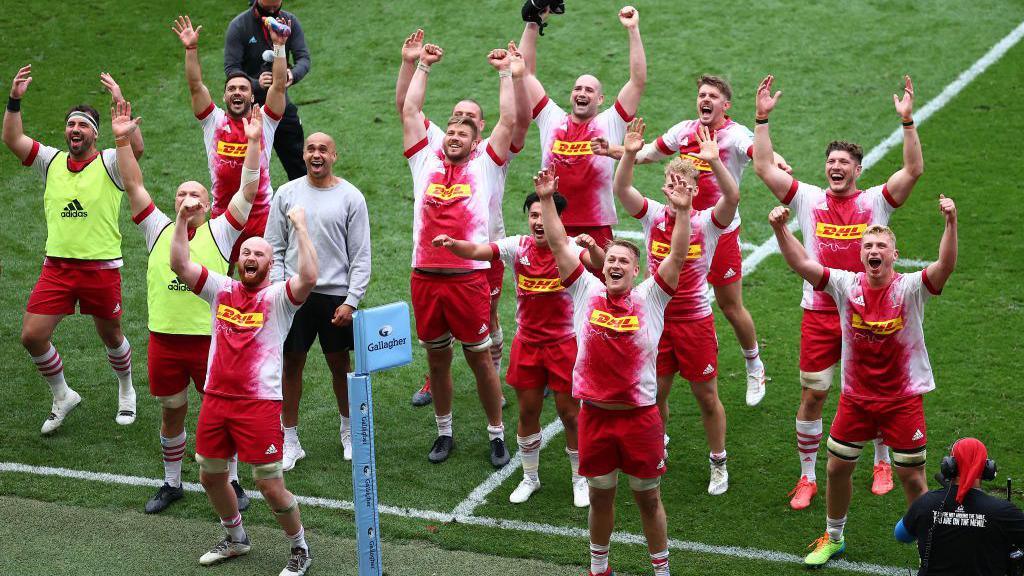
(245, 42)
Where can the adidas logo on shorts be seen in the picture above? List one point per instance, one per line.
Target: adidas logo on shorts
(917, 435)
(729, 273)
(709, 370)
(483, 329)
(117, 308)
(661, 464)
(74, 209)
(271, 450)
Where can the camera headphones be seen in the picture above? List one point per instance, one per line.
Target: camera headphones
(949, 470)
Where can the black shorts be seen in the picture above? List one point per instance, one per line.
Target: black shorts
(314, 319)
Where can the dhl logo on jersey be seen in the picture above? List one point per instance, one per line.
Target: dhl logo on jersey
(880, 327)
(697, 162)
(442, 192)
(239, 318)
(234, 149)
(564, 148)
(840, 232)
(539, 284)
(616, 323)
(661, 250)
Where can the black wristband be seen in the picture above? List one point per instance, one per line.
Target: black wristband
(760, 120)
(908, 124)
(13, 104)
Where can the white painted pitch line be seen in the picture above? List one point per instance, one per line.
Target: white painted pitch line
(444, 517)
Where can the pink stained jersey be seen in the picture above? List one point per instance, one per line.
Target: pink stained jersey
(453, 200)
(583, 178)
(735, 148)
(249, 329)
(832, 228)
(884, 354)
(543, 307)
(617, 339)
(690, 301)
(226, 145)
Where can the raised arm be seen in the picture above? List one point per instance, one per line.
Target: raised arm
(528, 48)
(725, 209)
(463, 248)
(413, 130)
(523, 109)
(181, 261)
(123, 127)
(593, 258)
(501, 136)
(680, 197)
(622, 185)
(546, 184)
(938, 272)
(410, 53)
(276, 100)
(629, 95)
(13, 133)
(303, 283)
(189, 37)
(902, 182)
(115, 92)
(765, 165)
(241, 203)
(791, 248)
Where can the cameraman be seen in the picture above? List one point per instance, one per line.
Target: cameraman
(244, 44)
(969, 533)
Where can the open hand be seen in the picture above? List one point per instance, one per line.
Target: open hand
(21, 81)
(679, 194)
(412, 46)
(516, 62)
(634, 139)
(765, 101)
(253, 124)
(108, 82)
(121, 122)
(545, 183)
(708, 142)
(189, 36)
(905, 105)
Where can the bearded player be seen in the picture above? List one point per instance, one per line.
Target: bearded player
(885, 365)
(689, 345)
(496, 230)
(832, 222)
(81, 202)
(618, 327)
(241, 412)
(544, 346)
(223, 133)
(586, 179)
(179, 321)
(452, 188)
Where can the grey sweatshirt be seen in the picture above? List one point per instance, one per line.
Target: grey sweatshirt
(339, 226)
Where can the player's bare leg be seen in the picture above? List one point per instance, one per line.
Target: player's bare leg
(730, 301)
(219, 493)
(286, 510)
(568, 412)
(664, 388)
(655, 526)
(340, 365)
(439, 364)
(531, 402)
(601, 522)
(222, 498)
(291, 392)
(489, 390)
(914, 480)
(713, 416)
(36, 333)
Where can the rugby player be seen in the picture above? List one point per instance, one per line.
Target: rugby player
(179, 322)
(452, 188)
(241, 411)
(223, 133)
(544, 346)
(81, 204)
(618, 327)
(689, 345)
(832, 222)
(885, 365)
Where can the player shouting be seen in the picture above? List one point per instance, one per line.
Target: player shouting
(544, 347)
(832, 222)
(241, 411)
(81, 204)
(618, 327)
(223, 133)
(689, 344)
(885, 366)
(452, 188)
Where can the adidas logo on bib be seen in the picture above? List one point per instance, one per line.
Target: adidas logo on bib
(271, 450)
(74, 209)
(177, 285)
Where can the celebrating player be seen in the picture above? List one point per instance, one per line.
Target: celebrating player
(452, 187)
(618, 327)
(832, 222)
(81, 202)
(241, 411)
(223, 132)
(544, 347)
(340, 231)
(885, 366)
(179, 322)
(471, 109)
(688, 345)
(586, 179)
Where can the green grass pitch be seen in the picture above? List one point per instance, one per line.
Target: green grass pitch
(837, 64)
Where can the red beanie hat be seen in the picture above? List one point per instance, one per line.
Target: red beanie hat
(970, 455)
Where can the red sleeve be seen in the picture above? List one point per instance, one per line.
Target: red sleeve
(288, 291)
(574, 276)
(927, 283)
(888, 197)
(416, 148)
(792, 192)
(642, 212)
(209, 109)
(663, 284)
(750, 151)
(231, 220)
(202, 281)
(626, 117)
(494, 155)
(495, 253)
(269, 112)
(540, 106)
(662, 147)
(716, 222)
(824, 279)
(144, 214)
(426, 122)
(31, 154)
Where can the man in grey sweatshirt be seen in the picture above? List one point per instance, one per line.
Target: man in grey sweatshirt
(339, 227)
